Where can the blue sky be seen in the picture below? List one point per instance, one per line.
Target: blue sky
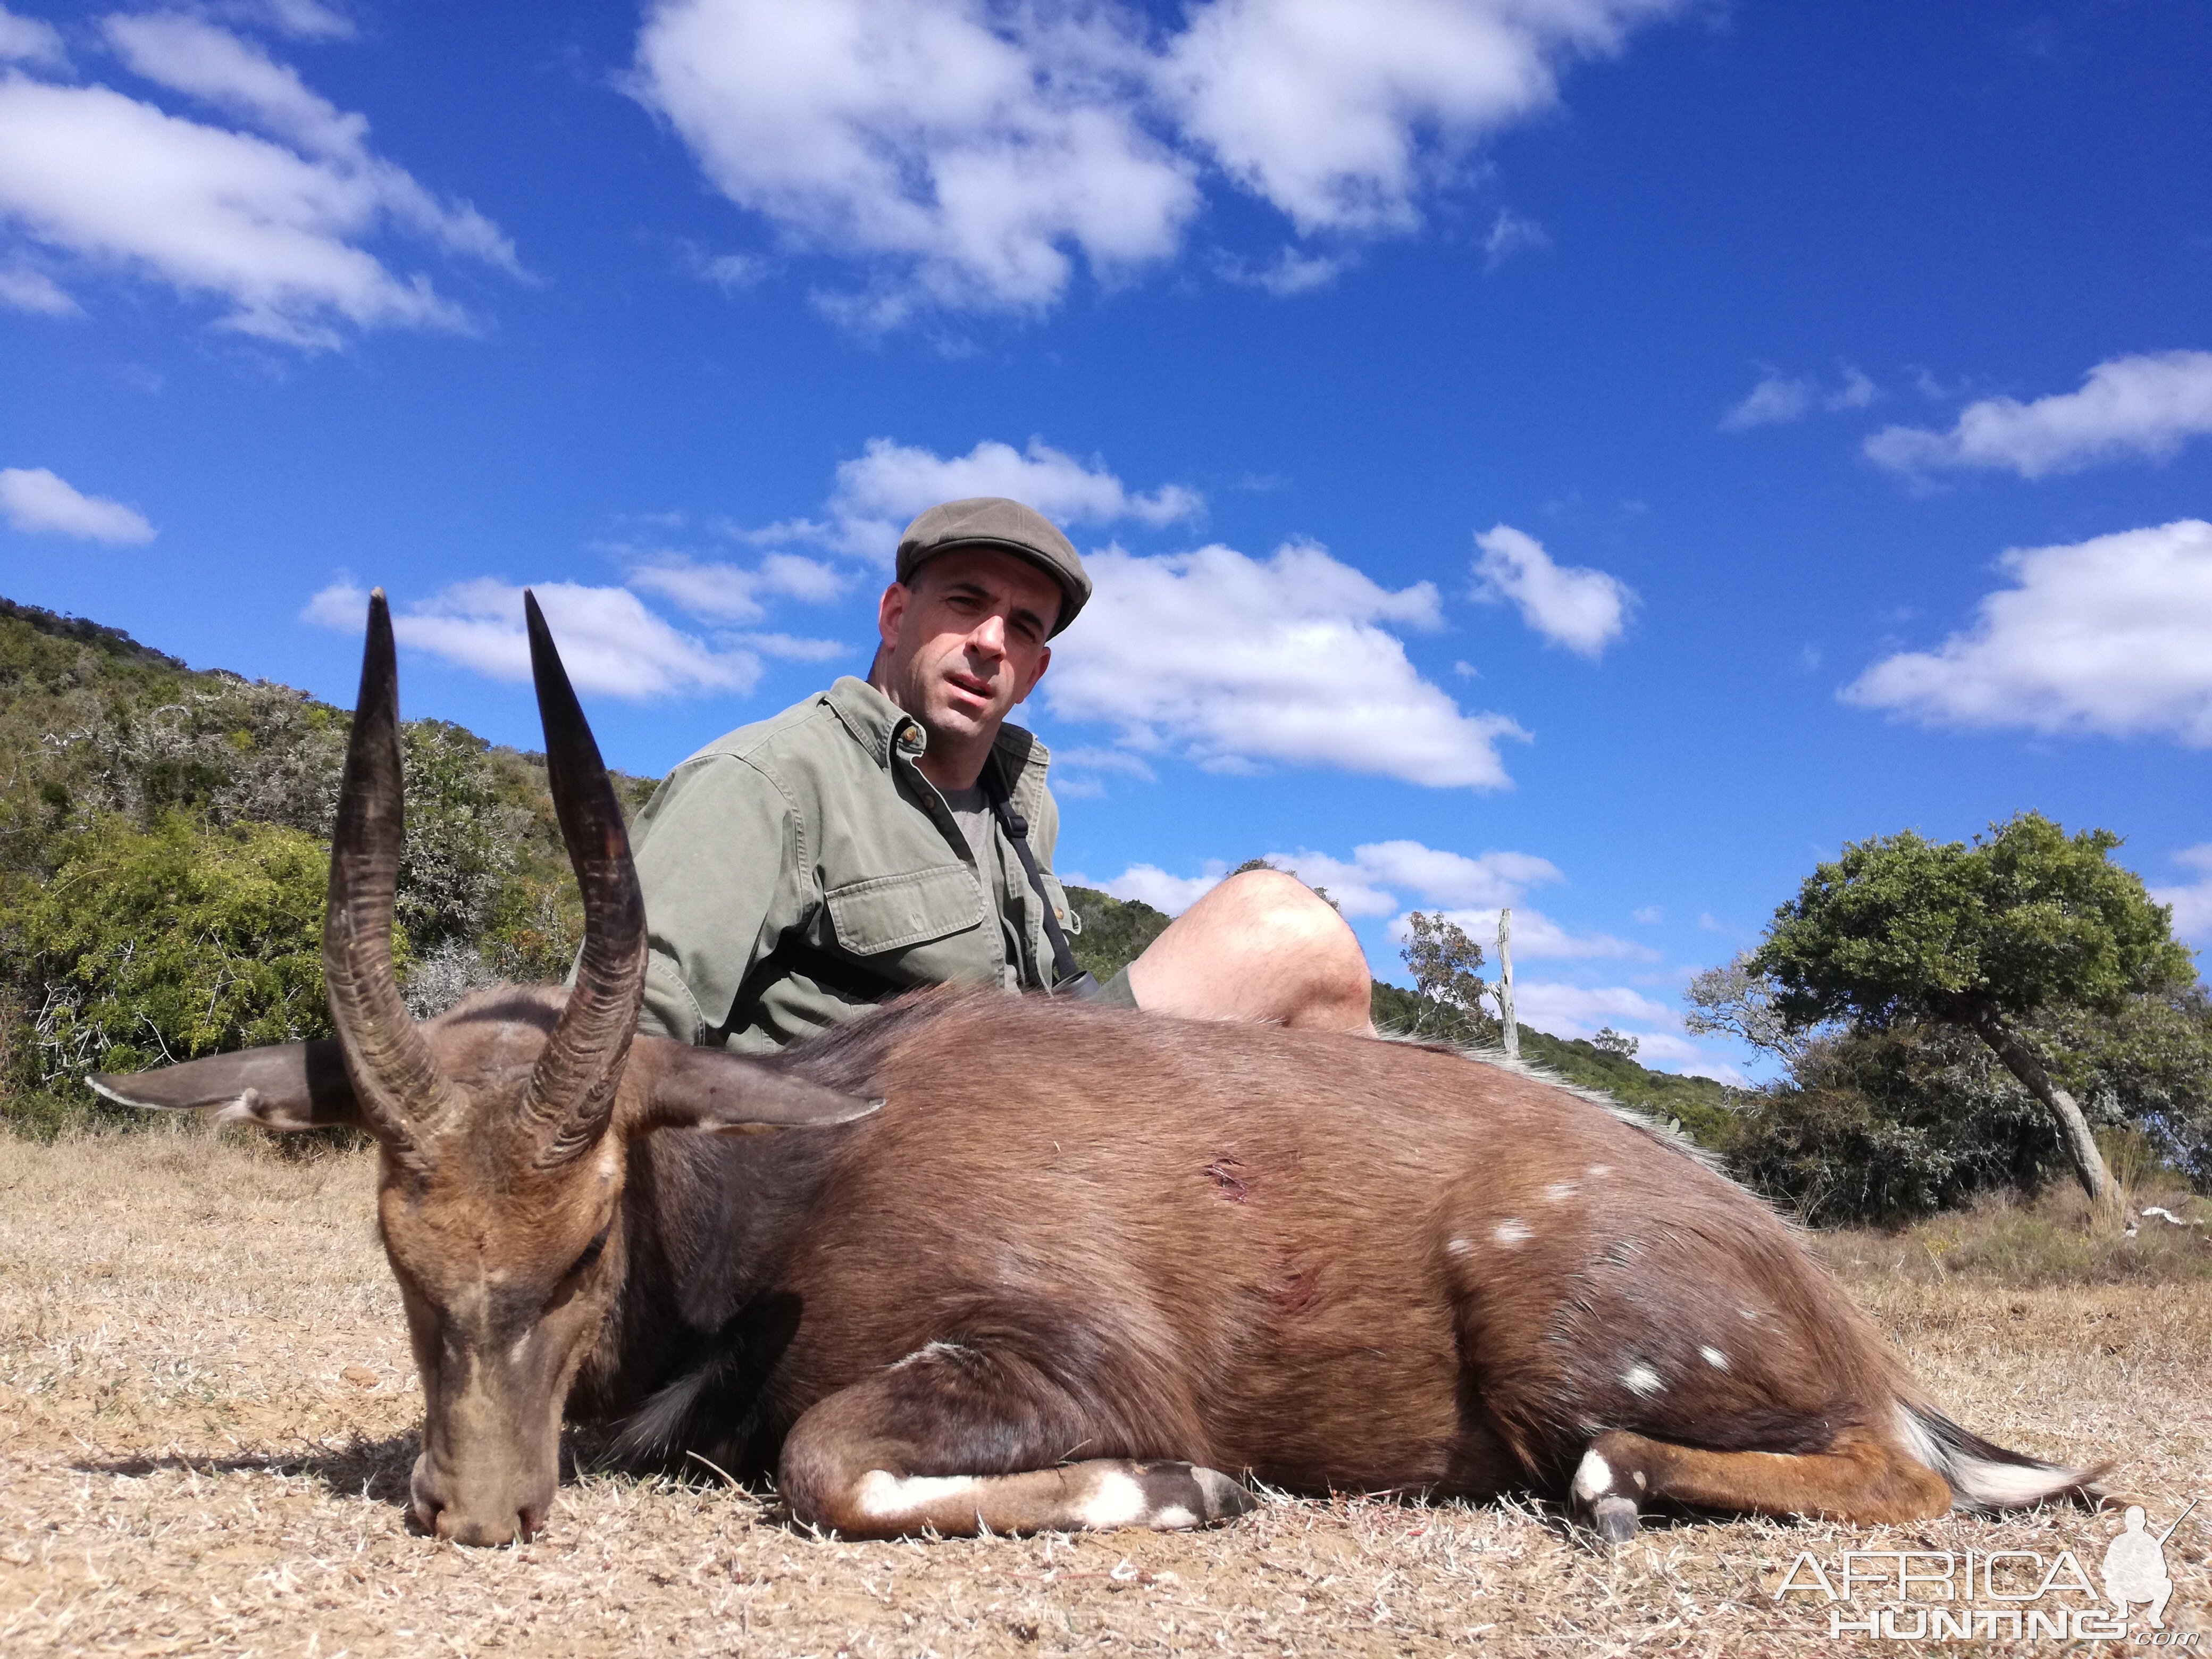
(1594, 455)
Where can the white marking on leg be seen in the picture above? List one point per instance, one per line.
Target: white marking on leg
(883, 1495)
(1175, 1516)
(1558, 1192)
(1117, 1500)
(1593, 1477)
(1641, 1380)
(1715, 1358)
(1510, 1233)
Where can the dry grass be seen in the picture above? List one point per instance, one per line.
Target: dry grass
(207, 1411)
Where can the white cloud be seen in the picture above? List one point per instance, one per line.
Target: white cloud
(1290, 272)
(2136, 407)
(1237, 662)
(1341, 115)
(1536, 935)
(39, 503)
(2192, 903)
(233, 75)
(1857, 392)
(973, 150)
(732, 593)
(1774, 401)
(969, 154)
(1509, 233)
(1650, 916)
(2107, 635)
(1580, 608)
(273, 225)
(610, 642)
(302, 20)
(1779, 398)
(882, 488)
(1578, 1010)
(792, 648)
(1370, 882)
(27, 40)
(25, 289)
(880, 491)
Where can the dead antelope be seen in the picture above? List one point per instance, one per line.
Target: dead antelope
(1084, 1268)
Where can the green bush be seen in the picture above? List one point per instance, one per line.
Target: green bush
(147, 946)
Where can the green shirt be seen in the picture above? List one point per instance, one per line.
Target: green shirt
(797, 868)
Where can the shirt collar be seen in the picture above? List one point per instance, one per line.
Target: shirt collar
(878, 724)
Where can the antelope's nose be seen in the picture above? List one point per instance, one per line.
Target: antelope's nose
(484, 1531)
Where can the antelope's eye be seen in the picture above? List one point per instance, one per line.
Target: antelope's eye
(591, 1251)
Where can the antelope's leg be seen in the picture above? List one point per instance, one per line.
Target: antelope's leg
(1857, 1478)
(952, 1441)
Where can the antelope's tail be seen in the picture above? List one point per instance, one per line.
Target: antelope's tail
(1986, 1476)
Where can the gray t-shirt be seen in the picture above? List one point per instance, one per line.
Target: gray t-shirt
(971, 811)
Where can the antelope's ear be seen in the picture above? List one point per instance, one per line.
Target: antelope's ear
(730, 1094)
(293, 1086)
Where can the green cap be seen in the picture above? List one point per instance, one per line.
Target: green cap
(992, 521)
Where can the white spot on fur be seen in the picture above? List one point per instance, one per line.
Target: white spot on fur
(1510, 1233)
(1459, 1245)
(1558, 1192)
(1641, 1380)
(1751, 1314)
(1600, 1168)
(883, 1495)
(1715, 1358)
(1175, 1516)
(1117, 1500)
(1593, 1477)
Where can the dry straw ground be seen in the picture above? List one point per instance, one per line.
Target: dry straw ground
(207, 1412)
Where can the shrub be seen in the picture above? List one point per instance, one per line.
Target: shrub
(152, 945)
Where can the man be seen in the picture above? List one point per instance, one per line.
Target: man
(800, 869)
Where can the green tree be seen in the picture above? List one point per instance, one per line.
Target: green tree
(1989, 937)
(1443, 960)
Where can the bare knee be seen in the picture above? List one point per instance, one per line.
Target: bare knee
(1260, 946)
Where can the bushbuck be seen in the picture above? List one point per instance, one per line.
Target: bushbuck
(1016, 1263)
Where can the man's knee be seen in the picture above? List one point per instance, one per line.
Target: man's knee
(1285, 914)
(1285, 921)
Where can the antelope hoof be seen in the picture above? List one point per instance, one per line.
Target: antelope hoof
(1613, 1519)
(1224, 1499)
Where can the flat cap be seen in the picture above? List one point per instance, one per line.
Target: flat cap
(993, 521)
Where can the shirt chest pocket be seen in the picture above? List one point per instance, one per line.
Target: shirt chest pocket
(894, 913)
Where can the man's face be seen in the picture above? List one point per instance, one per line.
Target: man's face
(966, 641)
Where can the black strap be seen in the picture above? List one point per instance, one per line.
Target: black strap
(1069, 978)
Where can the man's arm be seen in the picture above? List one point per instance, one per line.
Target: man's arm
(719, 859)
